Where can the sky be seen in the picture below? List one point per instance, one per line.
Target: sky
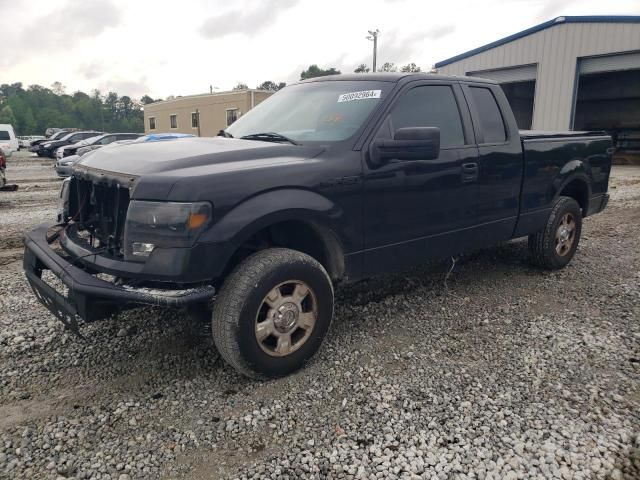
(162, 48)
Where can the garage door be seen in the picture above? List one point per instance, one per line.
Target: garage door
(610, 63)
(524, 73)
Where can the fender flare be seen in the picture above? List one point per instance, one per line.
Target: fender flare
(275, 206)
(576, 169)
(572, 171)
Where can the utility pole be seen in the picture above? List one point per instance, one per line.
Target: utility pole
(373, 35)
(198, 120)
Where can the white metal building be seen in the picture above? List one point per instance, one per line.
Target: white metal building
(572, 73)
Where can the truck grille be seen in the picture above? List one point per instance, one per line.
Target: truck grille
(99, 209)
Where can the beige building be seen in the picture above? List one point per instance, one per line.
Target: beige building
(213, 112)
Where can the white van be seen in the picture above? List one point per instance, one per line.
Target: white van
(8, 140)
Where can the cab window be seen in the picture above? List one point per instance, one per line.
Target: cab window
(430, 106)
(491, 122)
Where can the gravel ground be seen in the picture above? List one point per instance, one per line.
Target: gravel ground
(505, 371)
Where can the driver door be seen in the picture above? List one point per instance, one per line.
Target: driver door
(420, 209)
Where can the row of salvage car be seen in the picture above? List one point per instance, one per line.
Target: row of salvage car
(67, 156)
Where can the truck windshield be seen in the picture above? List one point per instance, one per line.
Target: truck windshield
(328, 111)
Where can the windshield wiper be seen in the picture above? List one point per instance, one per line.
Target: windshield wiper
(269, 137)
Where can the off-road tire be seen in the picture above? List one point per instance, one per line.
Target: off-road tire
(542, 245)
(241, 298)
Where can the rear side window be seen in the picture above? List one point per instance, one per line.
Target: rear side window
(4, 135)
(430, 106)
(491, 122)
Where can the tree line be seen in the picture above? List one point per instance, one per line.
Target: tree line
(33, 109)
(315, 71)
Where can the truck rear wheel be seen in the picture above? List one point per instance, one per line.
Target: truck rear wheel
(272, 313)
(554, 247)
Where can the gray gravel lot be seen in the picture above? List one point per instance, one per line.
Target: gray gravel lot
(504, 372)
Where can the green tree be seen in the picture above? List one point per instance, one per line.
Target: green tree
(410, 68)
(7, 116)
(389, 67)
(29, 125)
(18, 107)
(125, 106)
(33, 110)
(271, 86)
(58, 88)
(241, 86)
(146, 100)
(7, 90)
(314, 71)
(362, 68)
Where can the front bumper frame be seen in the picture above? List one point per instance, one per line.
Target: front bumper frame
(90, 297)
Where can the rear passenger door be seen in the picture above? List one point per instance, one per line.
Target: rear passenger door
(500, 163)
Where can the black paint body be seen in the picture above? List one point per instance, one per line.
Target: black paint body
(380, 218)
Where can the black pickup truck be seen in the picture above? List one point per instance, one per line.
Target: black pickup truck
(328, 181)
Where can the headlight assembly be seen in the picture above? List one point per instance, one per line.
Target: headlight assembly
(163, 224)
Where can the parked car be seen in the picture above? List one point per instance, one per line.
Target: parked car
(67, 150)
(328, 181)
(26, 141)
(49, 132)
(37, 144)
(96, 142)
(64, 166)
(48, 148)
(8, 140)
(161, 137)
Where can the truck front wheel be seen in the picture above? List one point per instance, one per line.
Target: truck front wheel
(272, 313)
(554, 247)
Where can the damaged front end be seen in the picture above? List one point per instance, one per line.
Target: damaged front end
(111, 253)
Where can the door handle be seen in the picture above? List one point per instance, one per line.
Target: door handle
(469, 172)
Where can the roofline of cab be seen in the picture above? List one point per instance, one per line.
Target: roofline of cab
(393, 77)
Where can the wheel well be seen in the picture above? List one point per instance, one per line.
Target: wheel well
(305, 237)
(578, 190)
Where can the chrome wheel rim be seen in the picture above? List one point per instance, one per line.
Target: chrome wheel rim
(565, 234)
(286, 317)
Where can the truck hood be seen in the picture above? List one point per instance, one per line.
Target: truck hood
(191, 157)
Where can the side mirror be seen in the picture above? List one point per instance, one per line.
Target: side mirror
(413, 143)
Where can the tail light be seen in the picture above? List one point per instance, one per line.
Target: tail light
(3, 160)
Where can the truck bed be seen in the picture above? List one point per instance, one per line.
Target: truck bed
(551, 156)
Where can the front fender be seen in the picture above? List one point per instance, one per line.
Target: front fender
(268, 208)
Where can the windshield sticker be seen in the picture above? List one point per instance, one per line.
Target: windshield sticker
(365, 94)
